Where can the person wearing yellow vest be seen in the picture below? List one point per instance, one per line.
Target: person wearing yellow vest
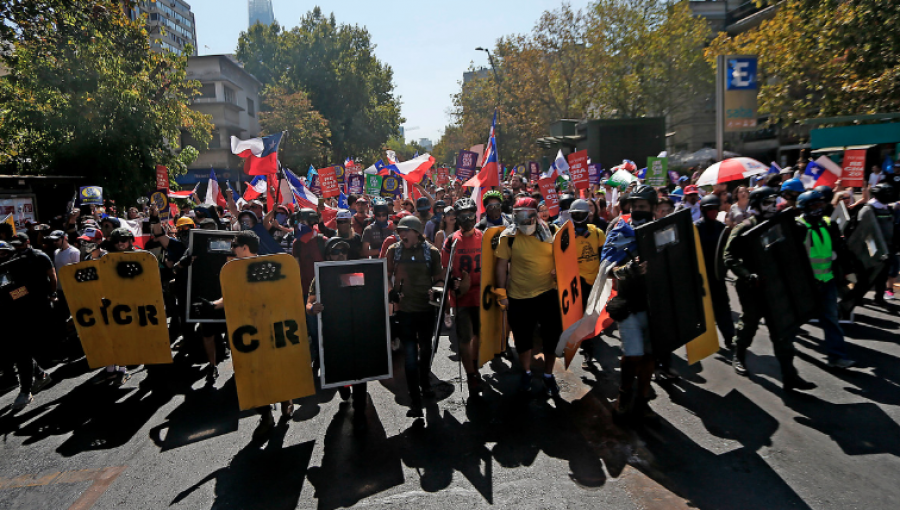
(590, 241)
(823, 242)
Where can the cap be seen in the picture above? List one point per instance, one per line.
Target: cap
(91, 235)
(344, 214)
(19, 239)
(56, 235)
(439, 205)
(423, 204)
(333, 242)
(691, 189)
(526, 203)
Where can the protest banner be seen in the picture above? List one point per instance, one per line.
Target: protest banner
(390, 187)
(90, 195)
(551, 198)
(854, 172)
(355, 183)
(657, 169)
(578, 169)
(465, 165)
(373, 184)
(162, 177)
(328, 182)
(595, 171)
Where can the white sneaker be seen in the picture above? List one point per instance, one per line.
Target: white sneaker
(889, 295)
(22, 400)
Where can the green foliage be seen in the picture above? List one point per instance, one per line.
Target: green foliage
(307, 140)
(86, 96)
(823, 58)
(335, 66)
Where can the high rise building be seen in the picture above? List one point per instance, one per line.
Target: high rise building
(260, 11)
(170, 24)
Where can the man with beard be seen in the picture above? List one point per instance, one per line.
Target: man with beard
(763, 206)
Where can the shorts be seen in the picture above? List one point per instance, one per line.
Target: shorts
(526, 314)
(213, 329)
(635, 334)
(468, 323)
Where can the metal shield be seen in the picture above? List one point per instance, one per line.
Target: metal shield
(212, 249)
(777, 255)
(267, 330)
(867, 243)
(354, 327)
(492, 333)
(117, 305)
(675, 290)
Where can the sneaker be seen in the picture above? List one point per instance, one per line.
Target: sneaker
(666, 374)
(344, 392)
(415, 409)
(797, 383)
(122, 378)
(525, 383)
(40, 384)
(22, 400)
(738, 365)
(889, 295)
(587, 363)
(552, 387)
(265, 426)
(841, 363)
(287, 410)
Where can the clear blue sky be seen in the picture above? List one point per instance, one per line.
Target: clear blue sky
(428, 44)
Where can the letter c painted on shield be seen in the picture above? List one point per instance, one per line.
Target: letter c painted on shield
(84, 318)
(486, 299)
(237, 339)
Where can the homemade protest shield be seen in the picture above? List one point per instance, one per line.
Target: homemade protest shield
(776, 254)
(870, 253)
(266, 319)
(568, 280)
(492, 333)
(354, 327)
(117, 305)
(212, 249)
(707, 343)
(675, 290)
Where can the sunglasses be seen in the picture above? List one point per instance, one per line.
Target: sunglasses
(494, 206)
(466, 216)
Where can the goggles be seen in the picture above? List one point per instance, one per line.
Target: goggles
(769, 202)
(495, 205)
(525, 215)
(466, 216)
(381, 215)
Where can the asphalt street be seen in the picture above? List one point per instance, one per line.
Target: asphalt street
(722, 441)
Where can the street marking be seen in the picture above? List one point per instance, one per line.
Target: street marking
(102, 478)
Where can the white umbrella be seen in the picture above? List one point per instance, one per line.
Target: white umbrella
(733, 169)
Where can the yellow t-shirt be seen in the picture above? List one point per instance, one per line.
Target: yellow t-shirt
(589, 253)
(530, 268)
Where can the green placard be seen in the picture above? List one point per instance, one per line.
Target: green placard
(373, 185)
(657, 170)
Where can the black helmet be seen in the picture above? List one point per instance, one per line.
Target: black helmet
(565, 202)
(334, 241)
(759, 194)
(439, 205)
(644, 192)
(121, 234)
(307, 214)
(465, 204)
(580, 210)
(249, 213)
(808, 197)
(883, 192)
(380, 205)
(711, 201)
(826, 191)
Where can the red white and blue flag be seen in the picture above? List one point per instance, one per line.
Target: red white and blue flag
(414, 169)
(257, 188)
(184, 194)
(213, 193)
(489, 176)
(303, 196)
(261, 154)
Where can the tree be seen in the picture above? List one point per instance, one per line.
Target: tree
(336, 67)
(85, 95)
(823, 58)
(307, 131)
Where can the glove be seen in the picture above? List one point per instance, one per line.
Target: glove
(394, 296)
(204, 308)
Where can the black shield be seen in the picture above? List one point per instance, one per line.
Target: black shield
(675, 289)
(869, 251)
(775, 252)
(721, 270)
(212, 249)
(23, 286)
(354, 328)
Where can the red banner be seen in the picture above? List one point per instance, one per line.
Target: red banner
(551, 199)
(854, 172)
(578, 169)
(328, 182)
(443, 176)
(162, 177)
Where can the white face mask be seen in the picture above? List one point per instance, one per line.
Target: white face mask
(528, 229)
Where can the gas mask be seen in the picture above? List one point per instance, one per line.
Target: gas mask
(527, 229)
(639, 218)
(466, 221)
(246, 225)
(529, 216)
(768, 208)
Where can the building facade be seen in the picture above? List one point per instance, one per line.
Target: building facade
(170, 24)
(260, 11)
(231, 96)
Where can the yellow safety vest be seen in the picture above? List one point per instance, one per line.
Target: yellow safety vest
(818, 247)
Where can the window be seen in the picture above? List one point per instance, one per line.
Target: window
(229, 96)
(216, 142)
(251, 108)
(208, 91)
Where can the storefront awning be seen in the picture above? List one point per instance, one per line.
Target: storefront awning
(845, 136)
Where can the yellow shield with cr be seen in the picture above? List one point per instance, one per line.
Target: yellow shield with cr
(491, 334)
(266, 319)
(706, 344)
(117, 305)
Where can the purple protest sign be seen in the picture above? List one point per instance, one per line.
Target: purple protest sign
(594, 172)
(356, 182)
(673, 176)
(465, 165)
(314, 185)
(534, 170)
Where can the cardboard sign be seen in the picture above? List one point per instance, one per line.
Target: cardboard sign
(162, 177)
(491, 334)
(657, 170)
(328, 182)
(551, 198)
(356, 183)
(854, 172)
(578, 169)
(266, 319)
(373, 184)
(707, 343)
(160, 198)
(90, 195)
(390, 187)
(568, 279)
(117, 305)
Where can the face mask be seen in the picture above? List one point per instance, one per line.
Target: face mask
(438, 217)
(381, 224)
(768, 210)
(711, 215)
(641, 217)
(814, 214)
(247, 224)
(528, 229)
(280, 218)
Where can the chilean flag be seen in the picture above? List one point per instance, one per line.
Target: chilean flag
(183, 194)
(811, 174)
(414, 169)
(213, 193)
(381, 168)
(490, 173)
(257, 188)
(261, 154)
(831, 172)
(304, 197)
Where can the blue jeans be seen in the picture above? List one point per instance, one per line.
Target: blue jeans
(835, 346)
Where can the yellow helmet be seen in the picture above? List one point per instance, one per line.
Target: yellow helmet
(184, 221)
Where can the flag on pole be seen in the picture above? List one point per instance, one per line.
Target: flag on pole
(261, 154)
(258, 187)
(213, 193)
(303, 195)
(184, 194)
(831, 172)
(811, 174)
(414, 169)
(490, 173)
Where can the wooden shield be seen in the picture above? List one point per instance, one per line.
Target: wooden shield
(707, 343)
(117, 305)
(492, 330)
(266, 319)
(568, 281)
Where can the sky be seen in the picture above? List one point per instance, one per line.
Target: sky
(428, 44)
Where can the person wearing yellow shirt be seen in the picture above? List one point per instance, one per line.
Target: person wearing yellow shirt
(590, 241)
(526, 285)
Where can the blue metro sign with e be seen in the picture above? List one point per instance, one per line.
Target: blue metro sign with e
(741, 74)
